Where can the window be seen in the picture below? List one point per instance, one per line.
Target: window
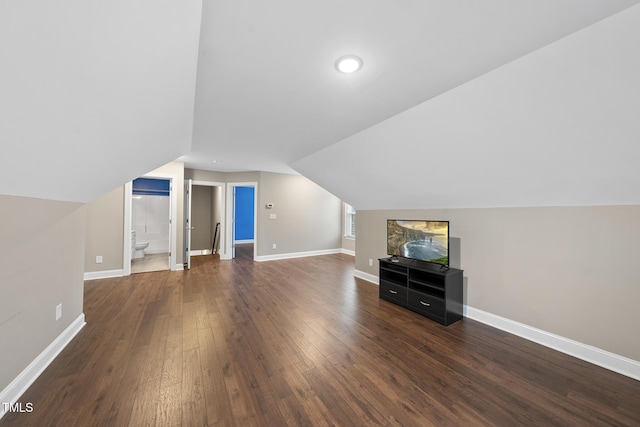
(349, 221)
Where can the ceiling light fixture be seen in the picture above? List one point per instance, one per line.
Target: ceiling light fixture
(348, 64)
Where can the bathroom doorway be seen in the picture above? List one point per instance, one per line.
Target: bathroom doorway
(150, 232)
(150, 221)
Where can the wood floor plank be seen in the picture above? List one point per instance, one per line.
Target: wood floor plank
(145, 404)
(214, 358)
(301, 342)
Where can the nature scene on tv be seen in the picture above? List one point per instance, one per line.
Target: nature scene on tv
(423, 240)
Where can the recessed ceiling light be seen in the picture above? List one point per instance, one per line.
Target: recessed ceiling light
(349, 64)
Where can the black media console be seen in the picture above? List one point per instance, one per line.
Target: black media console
(422, 287)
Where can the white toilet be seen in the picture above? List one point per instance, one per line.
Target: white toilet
(137, 248)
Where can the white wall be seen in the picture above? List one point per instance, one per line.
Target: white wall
(94, 89)
(150, 220)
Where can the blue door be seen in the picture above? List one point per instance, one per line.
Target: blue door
(244, 207)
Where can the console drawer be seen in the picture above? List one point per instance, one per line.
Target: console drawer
(394, 292)
(427, 304)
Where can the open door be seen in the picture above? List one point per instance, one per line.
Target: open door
(188, 184)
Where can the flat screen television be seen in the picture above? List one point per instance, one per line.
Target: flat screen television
(422, 240)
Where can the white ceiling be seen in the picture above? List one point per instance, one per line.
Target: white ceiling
(268, 94)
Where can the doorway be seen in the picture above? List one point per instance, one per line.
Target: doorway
(241, 215)
(244, 206)
(154, 225)
(205, 213)
(150, 225)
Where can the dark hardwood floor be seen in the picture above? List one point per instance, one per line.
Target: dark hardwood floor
(301, 342)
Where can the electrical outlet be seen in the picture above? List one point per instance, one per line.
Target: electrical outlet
(274, 246)
(98, 259)
(273, 216)
(58, 312)
(370, 262)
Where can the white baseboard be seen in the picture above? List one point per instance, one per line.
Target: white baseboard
(93, 275)
(347, 252)
(23, 381)
(240, 242)
(178, 267)
(605, 359)
(297, 255)
(366, 276)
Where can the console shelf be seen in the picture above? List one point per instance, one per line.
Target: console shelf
(422, 287)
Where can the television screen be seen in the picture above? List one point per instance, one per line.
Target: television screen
(421, 240)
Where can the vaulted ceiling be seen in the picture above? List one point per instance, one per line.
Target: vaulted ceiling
(97, 93)
(268, 92)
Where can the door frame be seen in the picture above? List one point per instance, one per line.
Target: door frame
(229, 246)
(223, 210)
(173, 235)
(186, 233)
